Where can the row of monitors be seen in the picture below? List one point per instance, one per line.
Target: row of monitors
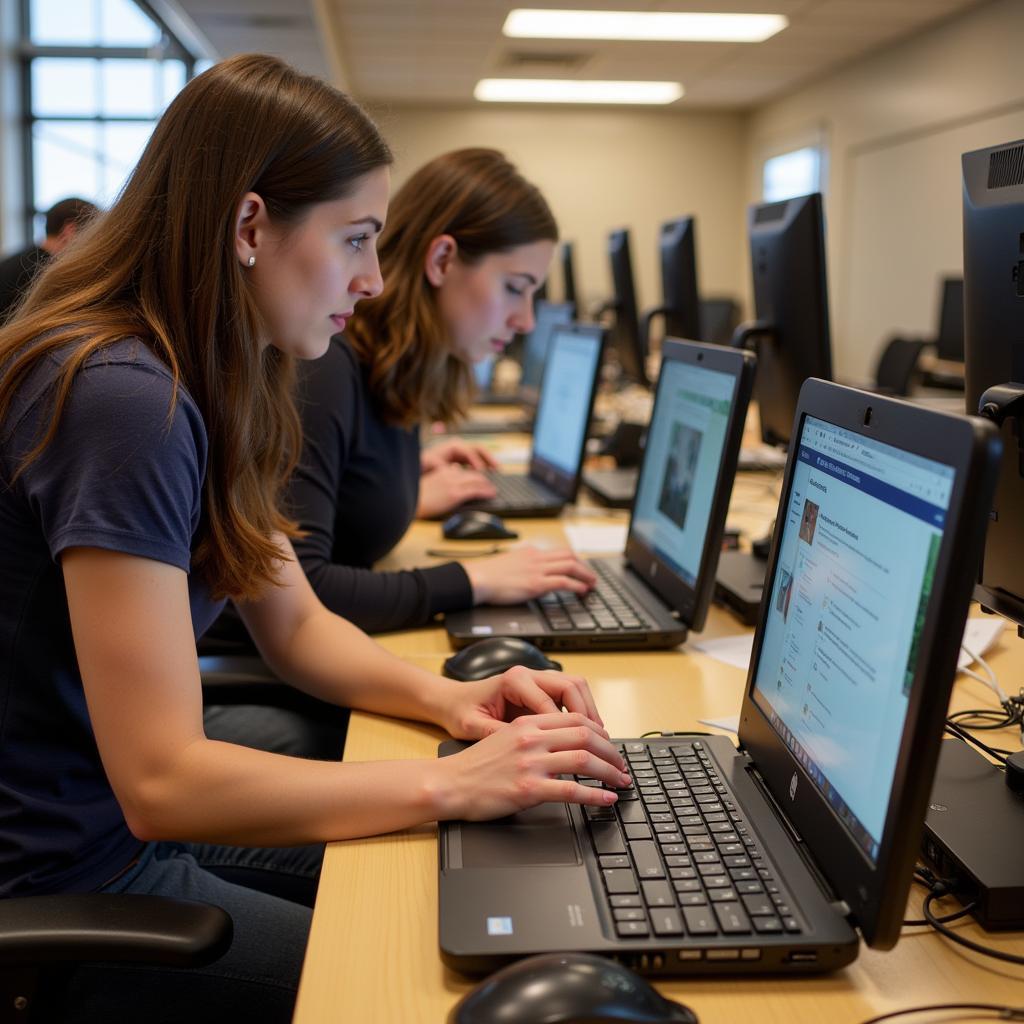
(792, 338)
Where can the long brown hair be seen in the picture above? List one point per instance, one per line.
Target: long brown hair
(161, 266)
(485, 204)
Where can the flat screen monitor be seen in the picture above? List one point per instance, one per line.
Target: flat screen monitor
(993, 182)
(787, 257)
(566, 259)
(949, 343)
(546, 316)
(679, 295)
(626, 331)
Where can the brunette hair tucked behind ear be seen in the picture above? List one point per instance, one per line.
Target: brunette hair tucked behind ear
(484, 203)
(161, 266)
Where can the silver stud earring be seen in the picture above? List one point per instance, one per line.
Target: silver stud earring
(252, 261)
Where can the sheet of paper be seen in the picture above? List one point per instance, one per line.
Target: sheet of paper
(597, 540)
(730, 722)
(979, 636)
(732, 650)
(512, 455)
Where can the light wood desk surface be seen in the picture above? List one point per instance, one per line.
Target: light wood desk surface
(373, 952)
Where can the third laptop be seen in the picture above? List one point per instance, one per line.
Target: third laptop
(662, 585)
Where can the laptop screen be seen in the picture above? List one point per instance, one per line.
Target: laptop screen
(564, 410)
(682, 462)
(535, 349)
(857, 556)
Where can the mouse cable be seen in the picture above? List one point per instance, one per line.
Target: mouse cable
(997, 1011)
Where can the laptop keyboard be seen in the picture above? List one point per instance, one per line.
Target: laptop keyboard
(514, 492)
(607, 608)
(676, 856)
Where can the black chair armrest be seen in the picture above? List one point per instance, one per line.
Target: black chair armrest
(107, 927)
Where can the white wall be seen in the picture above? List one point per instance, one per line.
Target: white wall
(601, 170)
(896, 125)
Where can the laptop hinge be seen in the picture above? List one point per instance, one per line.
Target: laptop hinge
(801, 847)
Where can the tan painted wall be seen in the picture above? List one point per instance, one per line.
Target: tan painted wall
(607, 169)
(895, 125)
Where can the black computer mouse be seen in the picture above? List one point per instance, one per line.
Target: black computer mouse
(567, 988)
(494, 655)
(471, 524)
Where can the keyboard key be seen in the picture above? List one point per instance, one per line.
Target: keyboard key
(791, 924)
(607, 837)
(749, 887)
(625, 901)
(632, 812)
(631, 929)
(648, 863)
(666, 921)
(691, 899)
(700, 921)
(619, 881)
(767, 925)
(637, 830)
(618, 860)
(630, 914)
(732, 918)
(759, 905)
(658, 894)
(722, 895)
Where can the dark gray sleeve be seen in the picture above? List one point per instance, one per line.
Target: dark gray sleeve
(332, 405)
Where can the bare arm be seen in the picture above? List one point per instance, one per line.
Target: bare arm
(136, 652)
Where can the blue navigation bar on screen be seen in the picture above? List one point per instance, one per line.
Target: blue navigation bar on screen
(838, 470)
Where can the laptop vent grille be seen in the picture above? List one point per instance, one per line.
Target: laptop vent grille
(1006, 167)
(771, 212)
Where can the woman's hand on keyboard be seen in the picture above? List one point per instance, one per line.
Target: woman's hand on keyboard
(519, 766)
(523, 573)
(448, 487)
(456, 450)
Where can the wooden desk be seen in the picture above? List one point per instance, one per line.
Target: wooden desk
(373, 953)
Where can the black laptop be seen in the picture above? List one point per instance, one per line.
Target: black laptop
(560, 432)
(774, 856)
(662, 586)
(534, 351)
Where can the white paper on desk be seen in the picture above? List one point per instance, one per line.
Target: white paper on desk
(732, 650)
(594, 540)
(731, 723)
(979, 636)
(514, 455)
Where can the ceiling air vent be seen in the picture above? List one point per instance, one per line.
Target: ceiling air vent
(521, 60)
(1006, 167)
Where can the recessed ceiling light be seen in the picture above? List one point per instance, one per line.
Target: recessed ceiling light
(566, 90)
(663, 26)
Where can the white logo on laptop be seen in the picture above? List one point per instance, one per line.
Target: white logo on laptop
(499, 926)
(792, 787)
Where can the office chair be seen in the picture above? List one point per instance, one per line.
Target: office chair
(42, 937)
(896, 366)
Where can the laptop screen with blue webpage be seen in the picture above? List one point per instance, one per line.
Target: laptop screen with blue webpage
(562, 416)
(682, 463)
(855, 570)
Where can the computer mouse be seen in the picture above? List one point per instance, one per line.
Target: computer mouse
(471, 524)
(567, 988)
(494, 655)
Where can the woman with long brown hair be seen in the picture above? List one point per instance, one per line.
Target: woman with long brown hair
(146, 431)
(468, 242)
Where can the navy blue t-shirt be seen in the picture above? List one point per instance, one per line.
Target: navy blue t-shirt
(125, 473)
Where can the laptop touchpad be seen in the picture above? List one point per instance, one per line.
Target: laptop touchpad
(541, 835)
